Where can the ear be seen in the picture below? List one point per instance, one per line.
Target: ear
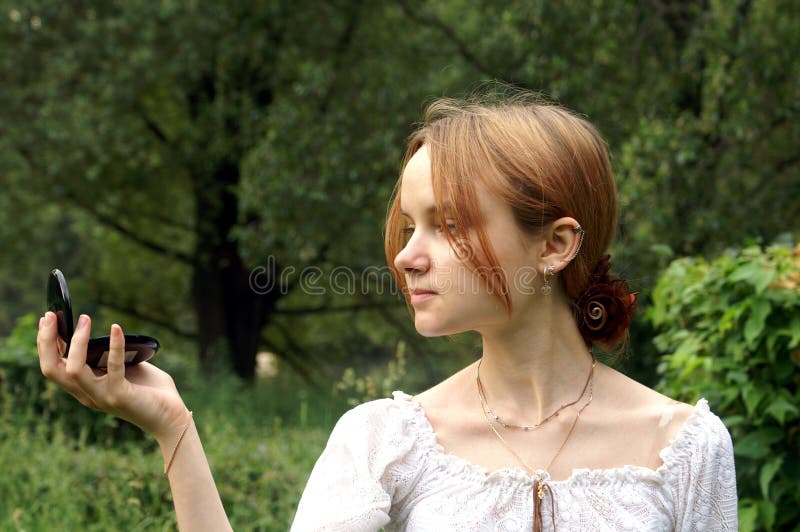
(561, 243)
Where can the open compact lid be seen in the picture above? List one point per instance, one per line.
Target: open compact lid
(138, 348)
(59, 302)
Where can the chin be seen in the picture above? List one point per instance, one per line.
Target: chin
(428, 328)
(432, 328)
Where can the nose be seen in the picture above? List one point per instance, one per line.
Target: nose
(414, 258)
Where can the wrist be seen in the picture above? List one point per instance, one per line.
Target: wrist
(168, 434)
(169, 456)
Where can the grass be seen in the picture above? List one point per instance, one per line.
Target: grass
(261, 440)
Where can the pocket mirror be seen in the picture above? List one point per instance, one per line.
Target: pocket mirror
(138, 348)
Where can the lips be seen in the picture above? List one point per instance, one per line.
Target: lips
(419, 295)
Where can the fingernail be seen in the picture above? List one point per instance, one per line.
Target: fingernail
(115, 328)
(81, 321)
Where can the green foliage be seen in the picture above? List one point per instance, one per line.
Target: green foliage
(51, 481)
(129, 128)
(730, 331)
(361, 389)
(68, 468)
(26, 396)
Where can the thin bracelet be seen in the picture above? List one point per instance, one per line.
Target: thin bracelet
(180, 438)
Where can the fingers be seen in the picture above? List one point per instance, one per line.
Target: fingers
(76, 358)
(50, 360)
(116, 357)
(46, 342)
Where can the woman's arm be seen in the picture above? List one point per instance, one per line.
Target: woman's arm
(196, 499)
(145, 396)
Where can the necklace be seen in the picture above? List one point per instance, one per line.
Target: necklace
(563, 443)
(541, 484)
(489, 412)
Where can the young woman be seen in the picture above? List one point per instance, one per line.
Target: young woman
(499, 224)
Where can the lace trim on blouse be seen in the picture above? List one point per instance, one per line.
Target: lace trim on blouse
(581, 476)
(384, 468)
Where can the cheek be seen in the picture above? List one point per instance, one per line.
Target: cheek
(467, 306)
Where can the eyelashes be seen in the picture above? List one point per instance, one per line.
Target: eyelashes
(450, 227)
(407, 231)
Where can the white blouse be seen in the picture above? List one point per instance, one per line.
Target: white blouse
(383, 468)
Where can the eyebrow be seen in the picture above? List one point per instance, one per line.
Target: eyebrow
(430, 210)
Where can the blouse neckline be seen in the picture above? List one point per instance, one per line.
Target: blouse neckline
(581, 476)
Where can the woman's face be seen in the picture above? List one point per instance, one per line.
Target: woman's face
(448, 297)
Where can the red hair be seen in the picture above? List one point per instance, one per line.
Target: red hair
(543, 160)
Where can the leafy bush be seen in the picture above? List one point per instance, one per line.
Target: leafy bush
(360, 389)
(27, 397)
(731, 332)
(66, 467)
(50, 481)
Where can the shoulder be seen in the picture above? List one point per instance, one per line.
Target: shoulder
(388, 421)
(624, 395)
(453, 398)
(686, 438)
(366, 461)
(639, 424)
(702, 437)
(671, 417)
(369, 411)
(700, 471)
(456, 389)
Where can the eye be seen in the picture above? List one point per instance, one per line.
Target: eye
(406, 233)
(451, 227)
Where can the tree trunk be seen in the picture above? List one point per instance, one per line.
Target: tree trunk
(230, 315)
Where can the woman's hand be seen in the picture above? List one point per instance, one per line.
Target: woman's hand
(141, 394)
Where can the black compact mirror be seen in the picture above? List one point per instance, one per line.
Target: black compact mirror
(138, 348)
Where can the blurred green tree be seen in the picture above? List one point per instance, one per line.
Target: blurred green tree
(200, 140)
(139, 119)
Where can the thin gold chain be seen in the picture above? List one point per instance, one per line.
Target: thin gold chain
(535, 426)
(563, 443)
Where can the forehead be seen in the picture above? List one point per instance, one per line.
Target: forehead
(416, 190)
(416, 185)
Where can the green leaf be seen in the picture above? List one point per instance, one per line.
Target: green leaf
(756, 445)
(755, 274)
(755, 322)
(732, 421)
(779, 408)
(795, 330)
(766, 511)
(662, 250)
(767, 472)
(748, 516)
(752, 396)
(739, 377)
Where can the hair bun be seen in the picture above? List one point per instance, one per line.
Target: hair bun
(604, 310)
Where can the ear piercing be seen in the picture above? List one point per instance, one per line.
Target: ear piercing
(578, 230)
(546, 288)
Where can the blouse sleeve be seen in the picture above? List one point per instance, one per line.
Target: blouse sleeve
(352, 485)
(703, 482)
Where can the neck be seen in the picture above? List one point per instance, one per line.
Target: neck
(534, 365)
